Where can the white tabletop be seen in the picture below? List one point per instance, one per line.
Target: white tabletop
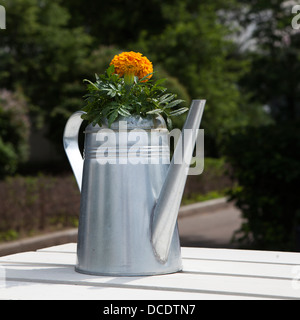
(207, 274)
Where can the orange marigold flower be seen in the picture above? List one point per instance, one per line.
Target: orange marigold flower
(132, 64)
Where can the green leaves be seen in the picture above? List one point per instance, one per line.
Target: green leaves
(110, 70)
(178, 112)
(166, 102)
(109, 97)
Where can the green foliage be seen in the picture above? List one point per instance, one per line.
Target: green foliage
(194, 47)
(176, 87)
(14, 131)
(265, 163)
(195, 197)
(8, 235)
(117, 22)
(50, 45)
(274, 73)
(212, 181)
(41, 54)
(110, 97)
(190, 41)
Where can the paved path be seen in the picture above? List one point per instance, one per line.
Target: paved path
(210, 230)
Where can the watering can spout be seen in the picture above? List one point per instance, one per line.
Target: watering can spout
(166, 210)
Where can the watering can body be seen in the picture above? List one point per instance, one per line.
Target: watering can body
(122, 177)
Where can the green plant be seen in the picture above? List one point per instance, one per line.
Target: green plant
(14, 131)
(113, 96)
(8, 235)
(265, 163)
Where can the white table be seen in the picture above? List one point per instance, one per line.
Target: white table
(207, 274)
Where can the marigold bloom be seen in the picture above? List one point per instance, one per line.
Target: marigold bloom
(132, 64)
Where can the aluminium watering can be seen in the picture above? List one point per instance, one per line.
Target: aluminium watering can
(129, 202)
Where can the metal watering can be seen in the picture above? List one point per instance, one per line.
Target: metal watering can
(128, 209)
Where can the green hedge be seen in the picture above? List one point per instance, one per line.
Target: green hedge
(31, 205)
(265, 163)
(36, 204)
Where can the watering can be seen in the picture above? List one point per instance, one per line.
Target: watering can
(129, 204)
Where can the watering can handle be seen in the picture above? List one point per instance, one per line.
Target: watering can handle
(70, 140)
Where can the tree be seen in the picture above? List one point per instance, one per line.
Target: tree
(275, 61)
(42, 55)
(48, 53)
(265, 164)
(14, 131)
(117, 22)
(264, 160)
(194, 46)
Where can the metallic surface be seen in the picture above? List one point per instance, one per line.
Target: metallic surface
(117, 200)
(70, 141)
(125, 174)
(166, 210)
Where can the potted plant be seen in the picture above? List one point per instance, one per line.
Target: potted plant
(127, 89)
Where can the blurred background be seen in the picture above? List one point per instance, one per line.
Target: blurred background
(243, 57)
